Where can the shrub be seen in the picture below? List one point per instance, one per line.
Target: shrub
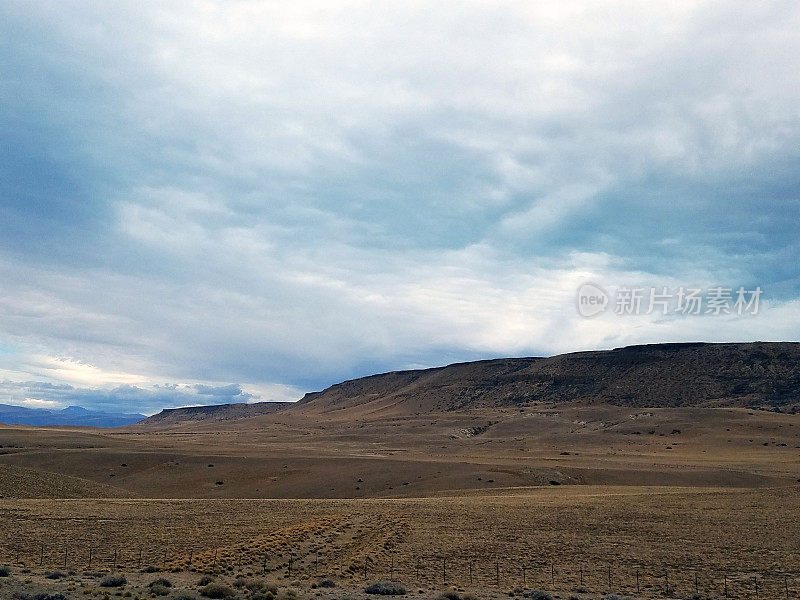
(184, 597)
(150, 569)
(55, 575)
(205, 580)
(268, 595)
(538, 595)
(217, 590)
(327, 583)
(113, 580)
(160, 581)
(159, 590)
(449, 596)
(5, 571)
(385, 588)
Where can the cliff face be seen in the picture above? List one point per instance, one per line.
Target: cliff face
(216, 412)
(759, 374)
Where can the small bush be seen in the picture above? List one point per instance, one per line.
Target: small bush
(327, 583)
(538, 595)
(217, 590)
(55, 575)
(449, 596)
(160, 581)
(205, 580)
(113, 580)
(5, 571)
(150, 569)
(159, 590)
(385, 588)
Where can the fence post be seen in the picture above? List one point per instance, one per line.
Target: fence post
(191, 556)
(165, 558)
(416, 570)
(391, 566)
(497, 572)
(264, 567)
(66, 551)
(637, 581)
(666, 581)
(696, 585)
(524, 578)
(725, 583)
(786, 585)
(90, 557)
(41, 556)
(755, 582)
(291, 559)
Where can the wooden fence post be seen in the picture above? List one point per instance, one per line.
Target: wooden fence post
(524, 578)
(497, 572)
(66, 551)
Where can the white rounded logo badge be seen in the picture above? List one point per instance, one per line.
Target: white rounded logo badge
(592, 300)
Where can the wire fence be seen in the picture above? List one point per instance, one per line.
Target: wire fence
(430, 570)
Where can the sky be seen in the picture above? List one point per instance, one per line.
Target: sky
(205, 202)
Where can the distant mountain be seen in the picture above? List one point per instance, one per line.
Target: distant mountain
(214, 412)
(759, 374)
(72, 415)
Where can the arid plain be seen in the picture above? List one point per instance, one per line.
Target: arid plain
(576, 498)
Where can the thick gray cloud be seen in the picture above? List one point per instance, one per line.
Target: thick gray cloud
(286, 196)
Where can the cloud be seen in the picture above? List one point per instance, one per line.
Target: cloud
(287, 197)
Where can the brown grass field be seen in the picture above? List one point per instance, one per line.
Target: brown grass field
(684, 497)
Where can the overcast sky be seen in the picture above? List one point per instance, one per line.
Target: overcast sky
(204, 202)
